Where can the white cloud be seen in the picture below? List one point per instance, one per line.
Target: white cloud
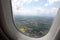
(17, 4)
(36, 11)
(46, 4)
(18, 8)
(52, 1)
(20, 2)
(36, 0)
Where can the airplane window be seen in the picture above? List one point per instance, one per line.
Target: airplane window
(34, 18)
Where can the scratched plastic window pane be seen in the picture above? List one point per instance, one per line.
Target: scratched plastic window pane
(34, 18)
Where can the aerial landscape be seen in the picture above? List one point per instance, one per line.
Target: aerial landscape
(33, 26)
(34, 18)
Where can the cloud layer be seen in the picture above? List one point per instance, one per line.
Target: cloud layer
(48, 8)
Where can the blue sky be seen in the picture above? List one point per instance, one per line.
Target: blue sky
(35, 7)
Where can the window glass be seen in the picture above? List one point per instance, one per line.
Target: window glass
(34, 18)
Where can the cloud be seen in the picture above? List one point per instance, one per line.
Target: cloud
(52, 1)
(20, 2)
(17, 4)
(18, 8)
(36, 0)
(46, 4)
(40, 11)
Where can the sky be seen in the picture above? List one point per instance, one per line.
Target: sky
(35, 7)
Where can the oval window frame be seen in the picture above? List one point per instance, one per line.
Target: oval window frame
(6, 6)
